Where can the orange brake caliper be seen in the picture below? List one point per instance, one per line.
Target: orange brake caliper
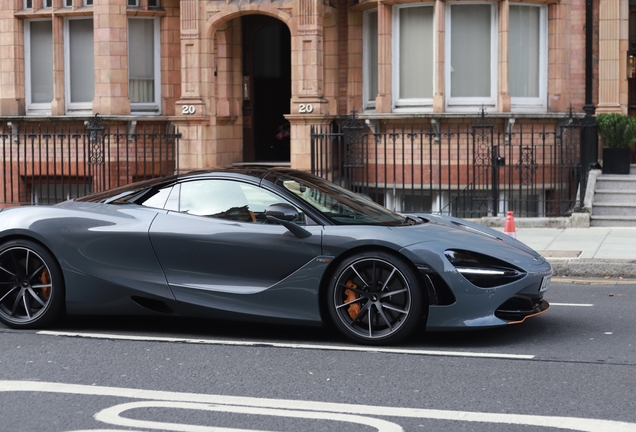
(354, 309)
(45, 278)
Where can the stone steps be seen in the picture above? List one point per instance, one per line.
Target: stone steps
(614, 202)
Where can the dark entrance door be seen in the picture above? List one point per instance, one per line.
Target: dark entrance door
(266, 89)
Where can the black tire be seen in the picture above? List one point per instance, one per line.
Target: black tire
(31, 285)
(374, 298)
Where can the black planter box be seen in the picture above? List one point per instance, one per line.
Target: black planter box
(616, 160)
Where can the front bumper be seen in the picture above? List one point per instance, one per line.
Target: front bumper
(520, 307)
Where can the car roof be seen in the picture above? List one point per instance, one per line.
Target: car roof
(257, 172)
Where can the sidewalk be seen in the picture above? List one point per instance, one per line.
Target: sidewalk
(585, 252)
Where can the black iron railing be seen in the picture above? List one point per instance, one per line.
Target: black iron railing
(46, 164)
(469, 170)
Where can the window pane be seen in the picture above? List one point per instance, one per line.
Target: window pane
(141, 60)
(416, 52)
(523, 51)
(227, 200)
(371, 55)
(82, 74)
(47, 191)
(41, 61)
(470, 51)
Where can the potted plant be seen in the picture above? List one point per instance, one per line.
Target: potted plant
(618, 132)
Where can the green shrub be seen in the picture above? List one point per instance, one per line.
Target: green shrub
(616, 130)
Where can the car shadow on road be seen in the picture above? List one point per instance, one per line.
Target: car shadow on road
(188, 328)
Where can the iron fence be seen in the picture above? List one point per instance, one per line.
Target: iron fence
(463, 169)
(47, 164)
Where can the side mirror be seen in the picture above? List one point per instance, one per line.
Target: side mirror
(285, 214)
(283, 211)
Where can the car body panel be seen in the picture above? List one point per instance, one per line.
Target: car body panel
(120, 257)
(474, 306)
(225, 264)
(100, 241)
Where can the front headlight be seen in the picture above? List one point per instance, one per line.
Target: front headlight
(483, 270)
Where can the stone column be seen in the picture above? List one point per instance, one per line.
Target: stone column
(11, 69)
(610, 73)
(300, 155)
(196, 149)
(503, 95)
(439, 92)
(308, 59)
(354, 62)
(384, 99)
(560, 74)
(110, 27)
(190, 61)
(58, 106)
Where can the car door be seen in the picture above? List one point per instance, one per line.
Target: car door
(217, 249)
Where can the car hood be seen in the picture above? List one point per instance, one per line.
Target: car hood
(442, 233)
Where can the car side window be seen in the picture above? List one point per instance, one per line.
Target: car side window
(229, 200)
(156, 198)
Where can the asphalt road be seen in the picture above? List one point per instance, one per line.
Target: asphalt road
(573, 368)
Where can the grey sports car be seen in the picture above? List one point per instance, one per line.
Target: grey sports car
(260, 244)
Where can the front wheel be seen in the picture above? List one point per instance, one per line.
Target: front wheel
(374, 299)
(31, 285)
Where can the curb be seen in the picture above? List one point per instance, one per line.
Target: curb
(593, 268)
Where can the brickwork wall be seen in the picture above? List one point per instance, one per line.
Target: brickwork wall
(327, 44)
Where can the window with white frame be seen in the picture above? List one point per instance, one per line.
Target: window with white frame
(370, 57)
(413, 56)
(144, 83)
(68, 3)
(88, 2)
(133, 3)
(79, 64)
(47, 4)
(527, 52)
(28, 4)
(471, 55)
(38, 65)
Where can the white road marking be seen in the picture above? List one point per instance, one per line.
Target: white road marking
(572, 304)
(569, 423)
(113, 416)
(290, 345)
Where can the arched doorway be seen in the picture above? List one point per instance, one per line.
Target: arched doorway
(266, 89)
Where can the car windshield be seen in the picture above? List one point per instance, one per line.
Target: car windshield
(340, 205)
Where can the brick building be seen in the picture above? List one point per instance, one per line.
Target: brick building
(232, 74)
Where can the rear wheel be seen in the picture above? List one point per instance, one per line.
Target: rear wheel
(374, 299)
(31, 285)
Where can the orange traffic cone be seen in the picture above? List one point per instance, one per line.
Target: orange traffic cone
(509, 227)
